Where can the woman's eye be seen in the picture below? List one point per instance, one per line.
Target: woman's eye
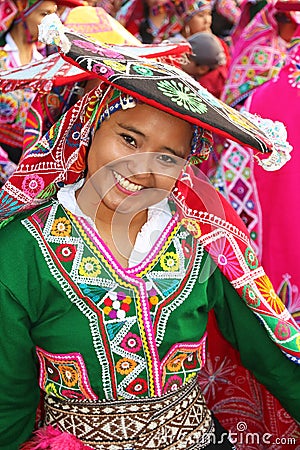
(129, 139)
(167, 159)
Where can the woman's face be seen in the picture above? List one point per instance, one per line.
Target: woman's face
(35, 18)
(200, 22)
(136, 157)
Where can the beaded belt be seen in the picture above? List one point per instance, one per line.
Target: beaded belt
(177, 420)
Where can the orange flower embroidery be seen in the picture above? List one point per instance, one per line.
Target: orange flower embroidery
(175, 364)
(69, 375)
(266, 289)
(61, 227)
(125, 365)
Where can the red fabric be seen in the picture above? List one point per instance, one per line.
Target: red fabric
(214, 80)
(238, 400)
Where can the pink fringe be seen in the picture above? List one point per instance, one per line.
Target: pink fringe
(49, 438)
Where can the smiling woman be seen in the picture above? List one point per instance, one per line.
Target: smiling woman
(121, 251)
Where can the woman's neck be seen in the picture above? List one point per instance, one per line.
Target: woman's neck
(120, 233)
(118, 230)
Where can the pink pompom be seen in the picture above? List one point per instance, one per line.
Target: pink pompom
(49, 438)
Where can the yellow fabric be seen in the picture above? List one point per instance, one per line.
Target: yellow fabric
(96, 23)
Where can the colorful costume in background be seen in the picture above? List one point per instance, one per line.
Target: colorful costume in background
(267, 202)
(14, 105)
(132, 14)
(118, 350)
(258, 55)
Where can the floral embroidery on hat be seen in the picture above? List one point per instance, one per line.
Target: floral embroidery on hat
(115, 65)
(101, 69)
(181, 94)
(141, 70)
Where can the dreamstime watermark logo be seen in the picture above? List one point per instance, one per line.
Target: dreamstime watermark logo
(242, 436)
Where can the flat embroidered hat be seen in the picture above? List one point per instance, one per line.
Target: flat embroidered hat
(167, 88)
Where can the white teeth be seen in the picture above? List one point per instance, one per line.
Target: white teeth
(126, 184)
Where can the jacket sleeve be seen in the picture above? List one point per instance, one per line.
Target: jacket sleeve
(258, 353)
(19, 394)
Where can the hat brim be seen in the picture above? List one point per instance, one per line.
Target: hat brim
(164, 87)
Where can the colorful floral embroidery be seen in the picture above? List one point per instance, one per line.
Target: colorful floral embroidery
(260, 57)
(101, 69)
(192, 227)
(282, 330)
(223, 254)
(89, 267)
(236, 159)
(32, 185)
(115, 65)
(65, 252)
(132, 343)
(66, 393)
(191, 361)
(8, 108)
(250, 296)
(61, 227)
(170, 262)
(100, 51)
(124, 366)
(182, 96)
(60, 372)
(74, 135)
(137, 387)
(267, 290)
(251, 258)
(141, 70)
(173, 383)
(175, 365)
(69, 375)
(116, 305)
(294, 75)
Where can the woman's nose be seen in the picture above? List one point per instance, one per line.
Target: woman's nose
(141, 164)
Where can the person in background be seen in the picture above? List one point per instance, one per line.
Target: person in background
(225, 15)
(152, 21)
(207, 63)
(198, 19)
(18, 47)
(259, 52)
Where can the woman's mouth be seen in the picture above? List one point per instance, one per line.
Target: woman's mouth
(125, 184)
